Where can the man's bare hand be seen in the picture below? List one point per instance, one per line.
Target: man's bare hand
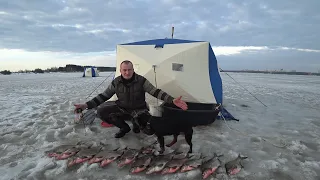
(80, 106)
(180, 103)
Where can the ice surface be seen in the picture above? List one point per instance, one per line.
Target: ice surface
(37, 115)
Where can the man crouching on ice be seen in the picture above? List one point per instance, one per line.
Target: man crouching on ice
(130, 89)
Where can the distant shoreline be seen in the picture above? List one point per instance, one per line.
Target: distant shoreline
(67, 68)
(273, 72)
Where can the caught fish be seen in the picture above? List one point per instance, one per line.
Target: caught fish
(65, 151)
(192, 164)
(128, 157)
(111, 157)
(105, 155)
(180, 155)
(149, 149)
(173, 166)
(210, 166)
(234, 166)
(141, 163)
(57, 151)
(159, 163)
(84, 155)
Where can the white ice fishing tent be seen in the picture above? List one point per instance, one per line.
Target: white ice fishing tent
(179, 67)
(90, 72)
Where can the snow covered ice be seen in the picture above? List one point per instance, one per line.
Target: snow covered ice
(37, 115)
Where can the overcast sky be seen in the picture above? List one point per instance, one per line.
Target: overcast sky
(251, 34)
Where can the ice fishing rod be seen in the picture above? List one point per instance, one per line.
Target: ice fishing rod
(98, 86)
(79, 111)
(244, 88)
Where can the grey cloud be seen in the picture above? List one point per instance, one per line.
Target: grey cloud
(98, 25)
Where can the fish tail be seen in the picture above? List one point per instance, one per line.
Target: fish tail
(115, 149)
(102, 144)
(242, 157)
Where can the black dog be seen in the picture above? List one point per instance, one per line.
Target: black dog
(161, 127)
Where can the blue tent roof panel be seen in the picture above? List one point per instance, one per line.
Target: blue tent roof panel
(161, 42)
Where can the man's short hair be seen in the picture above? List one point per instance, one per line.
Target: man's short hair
(126, 62)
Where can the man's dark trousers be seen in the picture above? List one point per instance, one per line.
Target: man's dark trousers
(110, 113)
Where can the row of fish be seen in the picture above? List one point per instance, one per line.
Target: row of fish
(143, 159)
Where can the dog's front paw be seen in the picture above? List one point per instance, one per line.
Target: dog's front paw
(161, 151)
(157, 153)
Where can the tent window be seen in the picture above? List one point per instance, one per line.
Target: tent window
(177, 67)
(157, 46)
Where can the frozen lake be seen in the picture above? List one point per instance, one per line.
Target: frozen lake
(37, 114)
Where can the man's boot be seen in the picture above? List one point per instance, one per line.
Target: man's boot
(121, 133)
(124, 127)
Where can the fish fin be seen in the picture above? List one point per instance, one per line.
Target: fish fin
(79, 143)
(208, 159)
(241, 164)
(155, 142)
(116, 149)
(220, 155)
(100, 148)
(242, 157)
(203, 156)
(176, 152)
(189, 155)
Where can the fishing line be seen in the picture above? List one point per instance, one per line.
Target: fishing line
(98, 86)
(255, 96)
(244, 88)
(245, 134)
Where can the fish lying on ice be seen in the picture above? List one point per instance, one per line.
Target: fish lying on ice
(210, 166)
(141, 163)
(181, 155)
(159, 163)
(106, 156)
(65, 151)
(149, 149)
(174, 165)
(128, 156)
(57, 151)
(235, 166)
(83, 155)
(192, 163)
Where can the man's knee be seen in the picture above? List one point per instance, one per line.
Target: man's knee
(104, 111)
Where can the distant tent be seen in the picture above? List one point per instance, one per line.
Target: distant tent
(90, 72)
(181, 67)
